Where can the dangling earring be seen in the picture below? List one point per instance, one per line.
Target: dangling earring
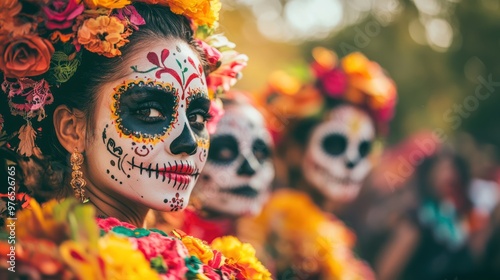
(77, 181)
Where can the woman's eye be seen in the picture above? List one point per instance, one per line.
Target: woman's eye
(197, 121)
(150, 114)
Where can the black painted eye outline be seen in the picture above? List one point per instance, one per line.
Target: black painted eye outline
(365, 148)
(334, 144)
(148, 83)
(224, 149)
(261, 150)
(198, 119)
(198, 106)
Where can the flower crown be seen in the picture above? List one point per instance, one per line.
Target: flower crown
(41, 40)
(354, 79)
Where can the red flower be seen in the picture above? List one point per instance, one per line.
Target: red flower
(62, 13)
(25, 56)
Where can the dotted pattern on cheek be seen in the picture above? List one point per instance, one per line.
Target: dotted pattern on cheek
(135, 135)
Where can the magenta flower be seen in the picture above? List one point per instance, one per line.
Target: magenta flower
(334, 82)
(130, 13)
(212, 54)
(62, 13)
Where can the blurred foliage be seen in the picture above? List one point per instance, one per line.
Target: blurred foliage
(431, 81)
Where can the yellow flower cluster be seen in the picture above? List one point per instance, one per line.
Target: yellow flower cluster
(107, 4)
(202, 12)
(123, 261)
(367, 78)
(308, 240)
(196, 247)
(243, 254)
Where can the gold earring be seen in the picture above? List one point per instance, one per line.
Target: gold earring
(77, 181)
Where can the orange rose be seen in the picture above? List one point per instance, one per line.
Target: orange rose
(26, 56)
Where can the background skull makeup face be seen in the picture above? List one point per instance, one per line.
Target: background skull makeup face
(150, 137)
(237, 177)
(336, 156)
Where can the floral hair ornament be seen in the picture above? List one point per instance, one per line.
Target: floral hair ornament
(225, 65)
(306, 94)
(41, 43)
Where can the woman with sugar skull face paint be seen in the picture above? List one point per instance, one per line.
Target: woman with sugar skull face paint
(237, 177)
(331, 126)
(125, 93)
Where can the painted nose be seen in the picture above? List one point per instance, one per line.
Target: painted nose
(246, 169)
(185, 143)
(350, 164)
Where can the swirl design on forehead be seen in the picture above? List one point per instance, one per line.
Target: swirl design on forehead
(147, 133)
(160, 66)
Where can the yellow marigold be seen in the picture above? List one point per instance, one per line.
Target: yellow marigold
(108, 4)
(198, 248)
(243, 254)
(122, 261)
(39, 222)
(202, 12)
(103, 35)
(367, 77)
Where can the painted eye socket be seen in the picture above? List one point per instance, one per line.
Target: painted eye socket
(334, 144)
(260, 150)
(223, 149)
(364, 148)
(198, 120)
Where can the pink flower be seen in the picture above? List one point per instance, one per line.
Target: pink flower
(62, 13)
(172, 250)
(210, 273)
(109, 223)
(228, 73)
(130, 13)
(212, 54)
(334, 82)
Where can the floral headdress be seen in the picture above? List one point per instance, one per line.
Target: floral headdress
(353, 79)
(41, 43)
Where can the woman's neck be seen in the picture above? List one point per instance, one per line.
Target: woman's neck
(108, 205)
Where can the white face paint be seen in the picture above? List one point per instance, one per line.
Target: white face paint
(237, 177)
(336, 156)
(151, 141)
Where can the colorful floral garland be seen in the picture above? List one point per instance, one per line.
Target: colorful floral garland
(353, 79)
(303, 242)
(64, 240)
(41, 40)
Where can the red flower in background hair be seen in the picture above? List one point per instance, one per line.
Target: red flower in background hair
(25, 56)
(62, 13)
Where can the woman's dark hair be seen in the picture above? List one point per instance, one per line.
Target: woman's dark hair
(425, 184)
(79, 93)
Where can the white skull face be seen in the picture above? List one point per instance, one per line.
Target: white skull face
(150, 141)
(237, 177)
(336, 156)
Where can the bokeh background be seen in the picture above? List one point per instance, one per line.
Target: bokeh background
(437, 51)
(444, 57)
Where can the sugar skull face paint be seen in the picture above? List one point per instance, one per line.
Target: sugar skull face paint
(152, 141)
(336, 156)
(237, 177)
